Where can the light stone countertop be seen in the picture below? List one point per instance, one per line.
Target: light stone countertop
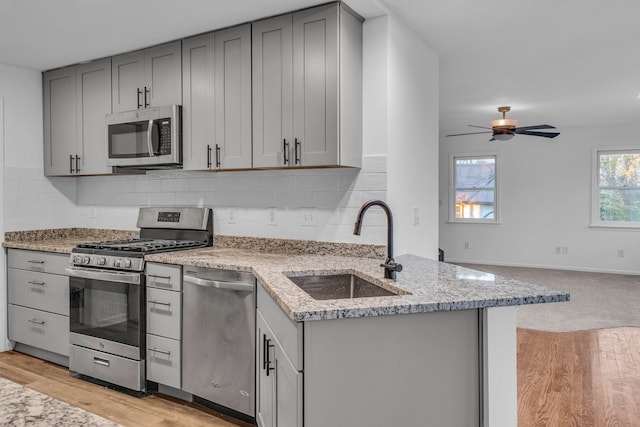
(431, 285)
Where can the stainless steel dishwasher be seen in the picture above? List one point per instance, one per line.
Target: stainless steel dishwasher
(218, 337)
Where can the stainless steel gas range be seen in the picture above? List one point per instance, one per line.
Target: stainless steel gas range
(107, 294)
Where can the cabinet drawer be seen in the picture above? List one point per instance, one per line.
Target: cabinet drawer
(163, 361)
(43, 262)
(164, 313)
(42, 291)
(164, 276)
(287, 332)
(39, 329)
(107, 367)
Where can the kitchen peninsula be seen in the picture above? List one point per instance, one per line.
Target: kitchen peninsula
(441, 352)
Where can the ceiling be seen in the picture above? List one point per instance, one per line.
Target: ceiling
(569, 63)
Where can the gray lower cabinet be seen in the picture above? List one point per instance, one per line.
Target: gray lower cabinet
(278, 366)
(76, 100)
(38, 297)
(164, 324)
(416, 369)
(307, 88)
(279, 383)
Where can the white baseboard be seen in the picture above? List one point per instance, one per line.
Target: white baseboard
(549, 267)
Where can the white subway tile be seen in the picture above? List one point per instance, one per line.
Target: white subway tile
(295, 199)
(374, 163)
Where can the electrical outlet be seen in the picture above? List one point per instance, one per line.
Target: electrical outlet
(416, 216)
(621, 253)
(565, 250)
(309, 217)
(467, 245)
(231, 215)
(273, 216)
(558, 250)
(92, 212)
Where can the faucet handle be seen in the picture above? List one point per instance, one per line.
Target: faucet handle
(392, 265)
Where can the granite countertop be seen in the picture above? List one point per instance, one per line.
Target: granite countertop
(428, 285)
(431, 285)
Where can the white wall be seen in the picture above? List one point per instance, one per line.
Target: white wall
(545, 199)
(412, 139)
(4, 344)
(30, 200)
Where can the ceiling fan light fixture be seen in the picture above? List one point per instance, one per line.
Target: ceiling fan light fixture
(502, 136)
(504, 123)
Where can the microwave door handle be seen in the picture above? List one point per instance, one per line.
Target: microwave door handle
(150, 138)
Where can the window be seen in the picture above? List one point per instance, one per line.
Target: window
(617, 192)
(474, 189)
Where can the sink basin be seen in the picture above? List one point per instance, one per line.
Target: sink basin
(340, 286)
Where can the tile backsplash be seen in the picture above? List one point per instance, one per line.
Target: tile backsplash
(310, 204)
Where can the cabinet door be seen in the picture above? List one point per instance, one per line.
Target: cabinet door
(93, 91)
(198, 103)
(163, 75)
(288, 391)
(59, 121)
(265, 384)
(315, 86)
(127, 76)
(233, 97)
(272, 91)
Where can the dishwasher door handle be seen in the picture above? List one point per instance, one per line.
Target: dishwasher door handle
(232, 286)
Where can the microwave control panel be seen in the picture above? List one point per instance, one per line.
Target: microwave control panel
(165, 136)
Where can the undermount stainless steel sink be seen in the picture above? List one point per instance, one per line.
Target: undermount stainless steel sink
(341, 286)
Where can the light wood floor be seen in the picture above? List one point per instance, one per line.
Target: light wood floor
(54, 380)
(586, 378)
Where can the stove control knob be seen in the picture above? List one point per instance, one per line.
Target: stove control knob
(117, 262)
(77, 259)
(86, 260)
(101, 260)
(127, 263)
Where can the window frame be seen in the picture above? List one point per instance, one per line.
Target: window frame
(452, 188)
(596, 222)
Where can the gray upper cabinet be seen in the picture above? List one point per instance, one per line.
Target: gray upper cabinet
(307, 89)
(76, 100)
(147, 78)
(93, 94)
(198, 104)
(59, 121)
(232, 85)
(272, 91)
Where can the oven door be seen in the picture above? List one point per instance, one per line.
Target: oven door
(107, 311)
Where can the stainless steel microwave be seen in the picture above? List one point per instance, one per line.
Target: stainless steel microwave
(145, 138)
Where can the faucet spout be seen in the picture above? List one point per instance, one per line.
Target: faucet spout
(390, 266)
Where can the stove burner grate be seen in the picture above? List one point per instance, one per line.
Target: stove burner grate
(142, 245)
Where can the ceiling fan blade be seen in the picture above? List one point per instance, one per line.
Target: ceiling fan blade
(470, 133)
(481, 127)
(535, 127)
(533, 133)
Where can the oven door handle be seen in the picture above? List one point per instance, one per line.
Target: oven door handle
(232, 286)
(109, 276)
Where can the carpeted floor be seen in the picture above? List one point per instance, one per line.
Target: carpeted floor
(21, 406)
(598, 300)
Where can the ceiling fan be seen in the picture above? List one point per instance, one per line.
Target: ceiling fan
(503, 129)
